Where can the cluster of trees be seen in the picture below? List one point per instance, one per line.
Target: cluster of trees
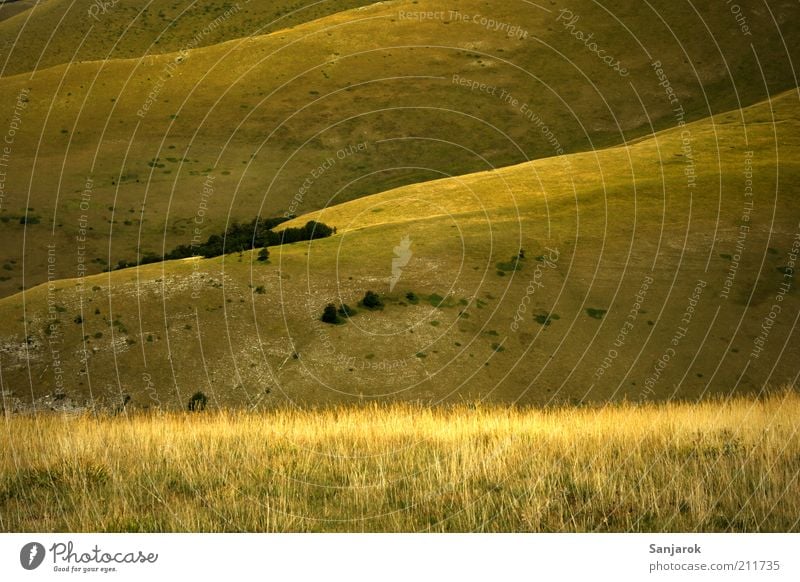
(255, 234)
(332, 315)
(240, 237)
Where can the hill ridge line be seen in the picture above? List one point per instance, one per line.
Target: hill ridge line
(494, 172)
(510, 168)
(154, 58)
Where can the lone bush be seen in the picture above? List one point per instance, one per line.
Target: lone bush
(372, 300)
(263, 255)
(330, 315)
(595, 313)
(197, 402)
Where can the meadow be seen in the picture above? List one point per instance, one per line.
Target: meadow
(127, 115)
(535, 332)
(719, 465)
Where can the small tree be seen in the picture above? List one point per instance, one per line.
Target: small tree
(197, 402)
(329, 314)
(263, 255)
(372, 300)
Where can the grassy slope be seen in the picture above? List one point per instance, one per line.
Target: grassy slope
(710, 467)
(62, 31)
(295, 97)
(616, 217)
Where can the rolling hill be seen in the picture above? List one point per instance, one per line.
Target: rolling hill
(659, 269)
(127, 143)
(56, 32)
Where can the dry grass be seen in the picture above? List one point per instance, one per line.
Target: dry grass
(713, 466)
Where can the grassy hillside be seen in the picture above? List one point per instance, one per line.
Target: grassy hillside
(335, 108)
(62, 31)
(712, 467)
(650, 271)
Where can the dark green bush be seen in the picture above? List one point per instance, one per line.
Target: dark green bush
(372, 300)
(595, 313)
(330, 315)
(197, 402)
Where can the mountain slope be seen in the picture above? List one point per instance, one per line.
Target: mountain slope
(650, 271)
(62, 31)
(351, 104)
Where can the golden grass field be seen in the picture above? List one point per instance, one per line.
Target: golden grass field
(719, 465)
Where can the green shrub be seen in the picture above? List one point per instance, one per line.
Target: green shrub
(595, 313)
(372, 300)
(544, 318)
(435, 300)
(330, 315)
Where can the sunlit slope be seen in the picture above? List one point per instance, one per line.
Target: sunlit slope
(647, 275)
(62, 31)
(351, 104)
